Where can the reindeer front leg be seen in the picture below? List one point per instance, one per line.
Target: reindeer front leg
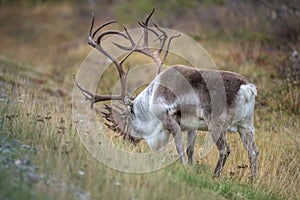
(174, 128)
(168, 118)
(191, 138)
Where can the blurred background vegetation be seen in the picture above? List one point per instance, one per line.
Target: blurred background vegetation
(269, 24)
(262, 32)
(269, 21)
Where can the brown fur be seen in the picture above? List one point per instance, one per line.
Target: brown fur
(199, 79)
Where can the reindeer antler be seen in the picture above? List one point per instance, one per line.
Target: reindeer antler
(95, 41)
(161, 35)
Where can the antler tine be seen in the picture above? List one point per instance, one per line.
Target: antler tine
(97, 43)
(168, 47)
(133, 44)
(92, 24)
(94, 98)
(102, 50)
(102, 26)
(163, 37)
(92, 34)
(146, 44)
(129, 36)
(110, 32)
(149, 16)
(134, 48)
(149, 29)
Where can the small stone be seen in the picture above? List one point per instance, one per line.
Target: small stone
(295, 54)
(242, 166)
(118, 183)
(18, 162)
(6, 151)
(32, 177)
(27, 162)
(25, 146)
(16, 142)
(81, 173)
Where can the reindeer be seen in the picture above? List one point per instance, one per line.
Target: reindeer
(180, 98)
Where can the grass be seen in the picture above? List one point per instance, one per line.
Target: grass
(35, 110)
(60, 156)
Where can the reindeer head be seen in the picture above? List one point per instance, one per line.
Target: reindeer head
(121, 121)
(121, 118)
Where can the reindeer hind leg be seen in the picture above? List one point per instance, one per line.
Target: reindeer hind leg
(224, 151)
(248, 138)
